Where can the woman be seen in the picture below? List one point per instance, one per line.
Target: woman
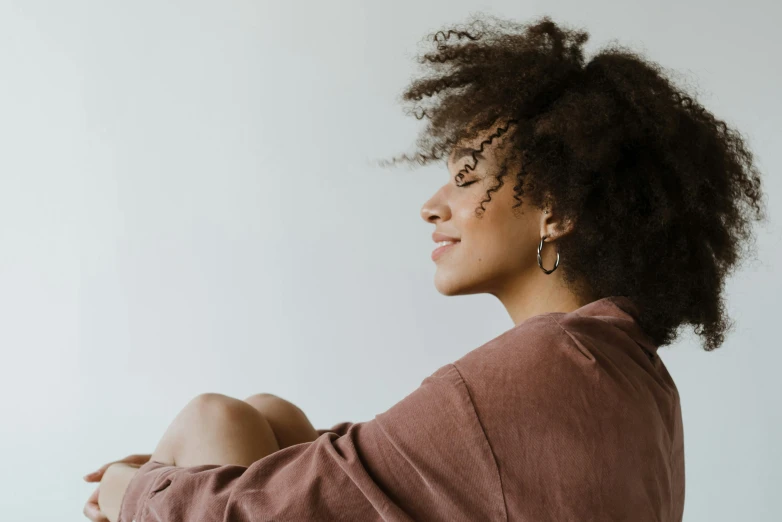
(615, 207)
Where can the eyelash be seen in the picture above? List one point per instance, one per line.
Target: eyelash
(466, 184)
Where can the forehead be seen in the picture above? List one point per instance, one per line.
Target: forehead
(462, 152)
(465, 147)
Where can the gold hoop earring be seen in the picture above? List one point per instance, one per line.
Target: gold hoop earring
(540, 259)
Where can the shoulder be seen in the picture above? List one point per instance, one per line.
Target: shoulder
(543, 357)
(538, 342)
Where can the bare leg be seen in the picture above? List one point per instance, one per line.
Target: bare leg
(216, 429)
(289, 423)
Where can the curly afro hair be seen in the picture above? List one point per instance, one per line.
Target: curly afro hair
(661, 192)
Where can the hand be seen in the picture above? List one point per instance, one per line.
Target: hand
(92, 509)
(137, 459)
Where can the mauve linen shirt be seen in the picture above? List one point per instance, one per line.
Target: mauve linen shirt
(564, 417)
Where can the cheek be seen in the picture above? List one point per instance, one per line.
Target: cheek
(481, 236)
(499, 237)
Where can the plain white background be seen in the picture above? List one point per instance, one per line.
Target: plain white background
(188, 205)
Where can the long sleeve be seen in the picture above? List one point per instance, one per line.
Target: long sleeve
(425, 458)
(340, 428)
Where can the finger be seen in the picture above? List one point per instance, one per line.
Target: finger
(137, 459)
(96, 475)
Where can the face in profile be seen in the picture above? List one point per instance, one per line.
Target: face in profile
(497, 252)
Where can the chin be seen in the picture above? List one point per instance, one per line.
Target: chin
(449, 283)
(446, 284)
(468, 278)
(447, 291)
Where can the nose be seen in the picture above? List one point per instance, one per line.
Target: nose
(435, 209)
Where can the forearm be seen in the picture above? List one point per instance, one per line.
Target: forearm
(112, 488)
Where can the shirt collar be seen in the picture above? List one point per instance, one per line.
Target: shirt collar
(621, 312)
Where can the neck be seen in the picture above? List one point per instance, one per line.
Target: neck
(538, 294)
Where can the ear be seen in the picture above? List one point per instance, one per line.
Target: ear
(552, 225)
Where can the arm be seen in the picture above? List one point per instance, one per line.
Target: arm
(112, 486)
(425, 458)
(340, 428)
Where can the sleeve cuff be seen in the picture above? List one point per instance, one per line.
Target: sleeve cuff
(152, 477)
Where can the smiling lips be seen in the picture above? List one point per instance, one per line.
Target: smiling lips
(438, 237)
(446, 246)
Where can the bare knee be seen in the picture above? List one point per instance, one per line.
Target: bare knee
(268, 401)
(289, 422)
(214, 428)
(217, 406)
